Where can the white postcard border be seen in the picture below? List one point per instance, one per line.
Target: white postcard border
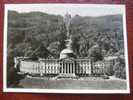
(28, 90)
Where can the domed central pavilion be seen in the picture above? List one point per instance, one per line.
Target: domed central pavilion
(67, 64)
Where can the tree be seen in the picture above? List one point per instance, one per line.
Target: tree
(54, 49)
(62, 37)
(95, 53)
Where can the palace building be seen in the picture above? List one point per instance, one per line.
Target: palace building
(63, 68)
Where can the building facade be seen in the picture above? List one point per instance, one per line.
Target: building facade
(62, 68)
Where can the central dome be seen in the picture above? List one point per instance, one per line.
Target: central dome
(67, 53)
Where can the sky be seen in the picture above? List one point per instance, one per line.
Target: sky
(73, 9)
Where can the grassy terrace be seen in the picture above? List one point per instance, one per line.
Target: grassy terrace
(88, 83)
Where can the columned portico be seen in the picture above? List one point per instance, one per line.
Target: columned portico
(67, 68)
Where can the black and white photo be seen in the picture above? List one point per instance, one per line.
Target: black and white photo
(65, 48)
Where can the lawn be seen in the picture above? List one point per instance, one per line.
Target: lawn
(89, 83)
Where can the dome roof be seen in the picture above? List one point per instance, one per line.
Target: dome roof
(66, 53)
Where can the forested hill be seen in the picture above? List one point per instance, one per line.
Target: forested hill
(42, 35)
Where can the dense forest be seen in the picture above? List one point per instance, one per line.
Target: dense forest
(37, 34)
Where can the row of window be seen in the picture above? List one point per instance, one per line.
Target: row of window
(60, 67)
